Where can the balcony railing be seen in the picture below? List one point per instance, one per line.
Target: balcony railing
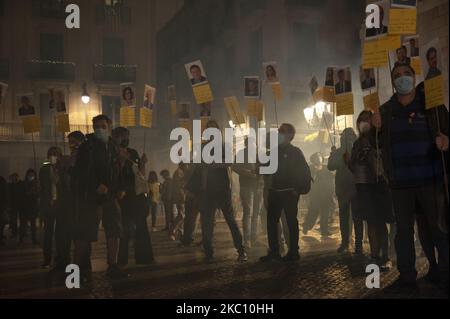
(4, 69)
(114, 73)
(13, 132)
(51, 70)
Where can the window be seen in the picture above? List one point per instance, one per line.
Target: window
(303, 48)
(54, 9)
(52, 50)
(113, 12)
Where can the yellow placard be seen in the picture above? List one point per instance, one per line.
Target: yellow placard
(391, 42)
(255, 108)
(324, 136)
(416, 65)
(325, 94)
(402, 21)
(62, 123)
(31, 124)
(434, 92)
(372, 102)
(203, 93)
(145, 117)
(276, 89)
(127, 116)
(375, 54)
(173, 107)
(234, 110)
(344, 104)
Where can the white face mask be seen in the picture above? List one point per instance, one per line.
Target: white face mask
(364, 127)
(53, 159)
(404, 84)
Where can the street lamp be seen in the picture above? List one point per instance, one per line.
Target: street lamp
(85, 98)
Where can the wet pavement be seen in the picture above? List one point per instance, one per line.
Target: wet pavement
(183, 273)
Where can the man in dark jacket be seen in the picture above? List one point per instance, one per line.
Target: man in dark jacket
(292, 178)
(414, 143)
(346, 191)
(98, 187)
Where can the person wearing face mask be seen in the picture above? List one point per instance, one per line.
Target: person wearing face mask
(320, 198)
(134, 203)
(49, 179)
(98, 191)
(373, 202)
(345, 192)
(213, 182)
(292, 178)
(414, 142)
(30, 205)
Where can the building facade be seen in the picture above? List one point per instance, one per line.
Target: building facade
(114, 44)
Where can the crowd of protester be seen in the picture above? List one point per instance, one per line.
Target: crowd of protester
(389, 176)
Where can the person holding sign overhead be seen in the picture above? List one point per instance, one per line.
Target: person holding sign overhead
(412, 139)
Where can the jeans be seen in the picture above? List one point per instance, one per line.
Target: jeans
(316, 210)
(168, 212)
(251, 199)
(153, 212)
(344, 223)
(430, 200)
(209, 203)
(279, 201)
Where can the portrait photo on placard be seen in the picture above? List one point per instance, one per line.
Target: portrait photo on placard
(412, 46)
(404, 3)
(399, 56)
(171, 93)
(329, 76)
(205, 109)
(431, 58)
(25, 104)
(3, 90)
(184, 112)
(196, 73)
(367, 78)
(60, 101)
(149, 97)
(271, 72)
(251, 86)
(343, 80)
(128, 96)
(383, 29)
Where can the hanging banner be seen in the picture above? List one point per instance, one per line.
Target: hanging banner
(62, 123)
(145, 117)
(344, 104)
(371, 102)
(403, 21)
(127, 116)
(31, 124)
(57, 100)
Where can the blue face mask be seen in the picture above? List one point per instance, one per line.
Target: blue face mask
(102, 135)
(404, 84)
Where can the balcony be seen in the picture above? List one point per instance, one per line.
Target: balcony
(50, 70)
(114, 73)
(4, 69)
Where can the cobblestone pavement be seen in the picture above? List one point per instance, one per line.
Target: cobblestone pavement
(183, 273)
